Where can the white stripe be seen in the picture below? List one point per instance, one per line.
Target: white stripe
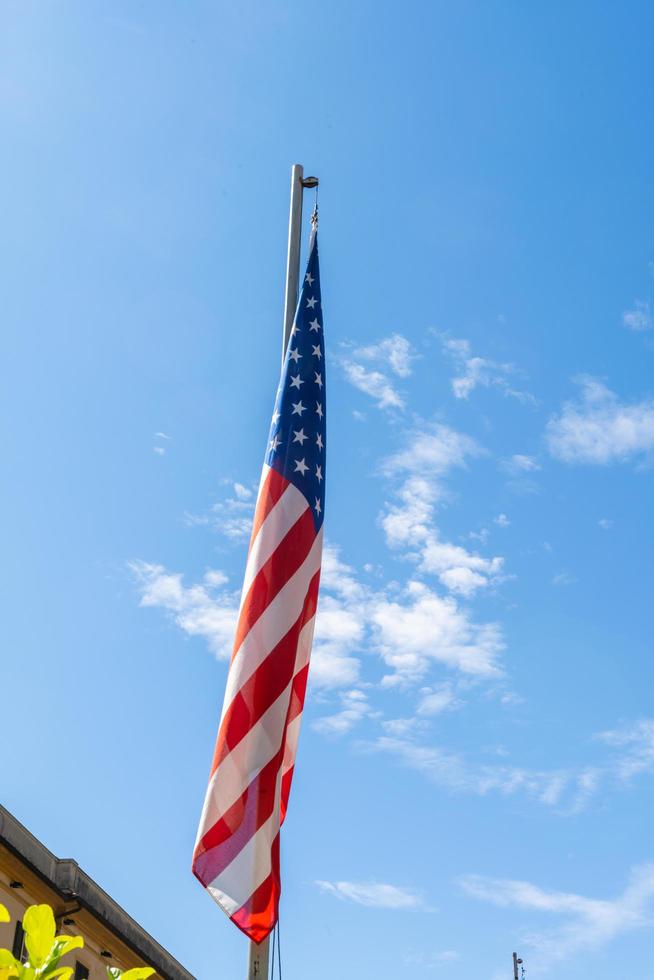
(255, 750)
(273, 623)
(253, 863)
(290, 506)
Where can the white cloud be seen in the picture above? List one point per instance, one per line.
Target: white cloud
(639, 318)
(395, 352)
(501, 520)
(158, 449)
(372, 894)
(566, 789)
(420, 628)
(411, 628)
(354, 708)
(451, 771)
(242, 493)
(373, 383)
(599, 428)
(230, 516)
(587, 923)
(475, 372)
(521, 463)
(637, 743)
(409, 522)
(563, 578)
(433, 701)
(196, 609)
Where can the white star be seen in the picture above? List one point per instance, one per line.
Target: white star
(311, 302)
(299, 436)
(295, 356)
(276, 417)
(319, 410)
(296, 382)
(294, 329)
(276, 441)
(318, 379)
(317, 506)
(309, 278)
(298, 408)
(300, 466)
(319, 474)
(319, 441)
(314, 325)
(316, 351)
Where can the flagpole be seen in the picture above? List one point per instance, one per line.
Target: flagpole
(259, 954)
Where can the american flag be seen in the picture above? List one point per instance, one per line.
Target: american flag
(236, 854)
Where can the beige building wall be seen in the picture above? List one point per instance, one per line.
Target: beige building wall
(101, 948)
(31, 875)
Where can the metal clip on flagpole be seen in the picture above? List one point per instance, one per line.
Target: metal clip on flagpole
(259, 957)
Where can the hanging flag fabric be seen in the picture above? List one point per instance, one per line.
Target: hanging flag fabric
(236, 854)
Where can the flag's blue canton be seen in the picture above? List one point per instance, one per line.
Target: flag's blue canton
(297, 444)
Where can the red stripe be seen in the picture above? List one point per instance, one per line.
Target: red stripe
(273, 575)
(287, 779)
(271, 490)
(295, 709)
(229, 835)
(265, 685)
(258, 916)
(225, 840)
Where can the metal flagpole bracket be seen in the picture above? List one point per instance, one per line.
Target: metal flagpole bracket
(310, 182)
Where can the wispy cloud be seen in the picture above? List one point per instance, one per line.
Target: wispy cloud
(639, 317)
(600, 429)
(159, 438)
(480, 372)
(373, 383)
(207, 610)
(434, 701)
(563, 578)
(417, 474)
(567, 789)
(636, 743)
(354, 708)
(392, 355)
(452, 771)
(231, 516)
(587, 923)
(376, 895)
(395, 352)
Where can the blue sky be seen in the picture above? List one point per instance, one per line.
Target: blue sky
(475, 773)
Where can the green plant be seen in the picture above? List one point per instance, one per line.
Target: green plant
(45, 950)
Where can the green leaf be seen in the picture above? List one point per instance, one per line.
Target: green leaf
(67, 943)
(63, 971)
(7, 963)
(39, 926)
(4, 914)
